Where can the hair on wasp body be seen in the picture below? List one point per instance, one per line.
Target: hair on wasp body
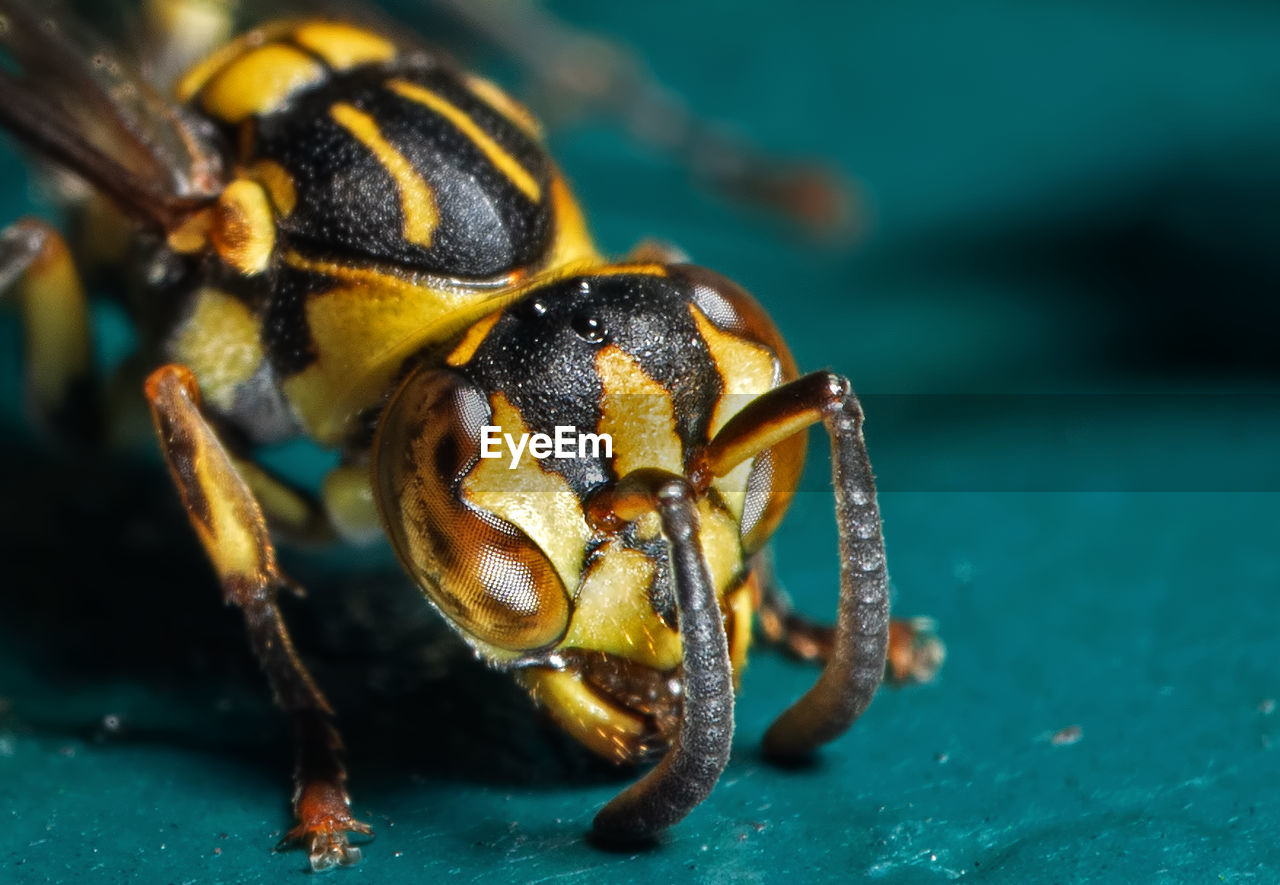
(361, 244)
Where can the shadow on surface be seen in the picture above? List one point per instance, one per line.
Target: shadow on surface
(111, 604)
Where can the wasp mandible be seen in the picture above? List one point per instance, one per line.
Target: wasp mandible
(338, 234)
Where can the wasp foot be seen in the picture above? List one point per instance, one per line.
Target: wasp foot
(324, 820)
(915, 651)
(914, 656)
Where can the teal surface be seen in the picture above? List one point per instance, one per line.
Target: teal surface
(1073, 210)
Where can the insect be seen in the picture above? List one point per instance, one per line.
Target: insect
(334, 233)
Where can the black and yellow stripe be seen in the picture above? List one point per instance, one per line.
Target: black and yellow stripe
(388, 156)
(411, 168)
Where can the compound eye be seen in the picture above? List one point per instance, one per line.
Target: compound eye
(484, 574)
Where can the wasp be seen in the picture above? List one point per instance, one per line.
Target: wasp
(333, 233)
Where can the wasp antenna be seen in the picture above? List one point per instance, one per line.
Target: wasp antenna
(700, 751)
(856, 666)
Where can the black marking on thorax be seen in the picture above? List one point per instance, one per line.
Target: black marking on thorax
(286, 333)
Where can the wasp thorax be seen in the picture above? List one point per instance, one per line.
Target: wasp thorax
(482, 571)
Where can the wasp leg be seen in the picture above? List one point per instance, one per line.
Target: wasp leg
(778, 625)
(700, 750)
(36, 267)
(915, 651)
(291, 513)
(349, 503)
(345, 508)
(585, 73)
(856, 664)
(230, 525)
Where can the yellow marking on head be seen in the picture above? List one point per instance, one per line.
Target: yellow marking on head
(258, 82)
(742, 603)
(497, 155)
(721, 544)
(364, 327)
(243, 230)
(220, 343)
(638, 413)
(613, 613)
(539, 502)
(746, 370)
(495, 97)
(417, 202)
(278, 183)
(471, 341)
(343, 46)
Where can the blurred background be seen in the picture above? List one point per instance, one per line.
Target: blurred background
(1058, 295)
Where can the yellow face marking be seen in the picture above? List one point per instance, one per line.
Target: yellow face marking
(243, 230)
(721, 545)
(538, 502)
(638, 413)
(343, 46)
(742, 603)
(613, 613)
(746, 370)
(259, 82)
(503, 161)
(471, 341)
(417, 202)
(220, 343)
(278, 183)
(494, 96)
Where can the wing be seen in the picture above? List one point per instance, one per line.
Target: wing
(79, 103)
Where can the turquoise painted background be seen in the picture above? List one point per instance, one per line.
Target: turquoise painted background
(1064, 198)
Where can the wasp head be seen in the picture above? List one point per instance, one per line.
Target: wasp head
(490, 473)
